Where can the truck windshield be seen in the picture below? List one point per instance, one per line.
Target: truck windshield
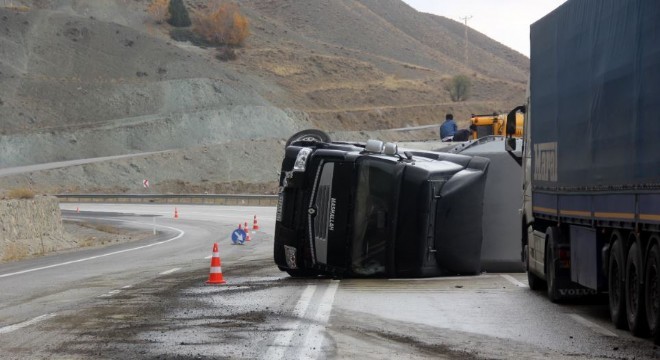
(374, 204)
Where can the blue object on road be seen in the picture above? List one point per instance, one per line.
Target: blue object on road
(238, 236)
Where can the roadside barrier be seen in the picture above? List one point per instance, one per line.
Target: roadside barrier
(202, 199)
(215, 273)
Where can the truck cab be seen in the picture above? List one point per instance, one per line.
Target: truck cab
(367, 209)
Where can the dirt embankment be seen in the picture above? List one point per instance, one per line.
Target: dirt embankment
(34, 227)
(30, 227)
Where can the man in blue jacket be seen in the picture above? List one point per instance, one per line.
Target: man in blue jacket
(448, 128)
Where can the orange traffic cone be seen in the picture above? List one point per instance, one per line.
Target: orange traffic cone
(215, 274)
(247, 232)
(176, 213)
(255, 226)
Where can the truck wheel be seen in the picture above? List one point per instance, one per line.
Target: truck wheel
(311, 135)
(535, 283)
(552, 237)
(652, 292)
(616, 284)
(635, 292)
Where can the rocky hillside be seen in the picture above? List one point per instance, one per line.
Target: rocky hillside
(83, 79)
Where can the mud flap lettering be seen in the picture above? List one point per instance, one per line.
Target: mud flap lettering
(576, 292)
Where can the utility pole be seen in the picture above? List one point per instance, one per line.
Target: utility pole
(465, 20)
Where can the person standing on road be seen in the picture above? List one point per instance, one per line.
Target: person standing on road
(448, 128)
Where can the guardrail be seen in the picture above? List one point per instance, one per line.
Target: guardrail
(201, 199)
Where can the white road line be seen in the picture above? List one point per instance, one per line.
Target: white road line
(181, 233)
(513, 280)
(127, 286)
(597, 328)
(208, 257)
(486, 276)
(314, 339)
(10, 328)
(170, 271)
(283, 339)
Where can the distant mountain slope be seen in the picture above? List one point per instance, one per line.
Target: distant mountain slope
(83, 79)
(445, 36)
(371, 64)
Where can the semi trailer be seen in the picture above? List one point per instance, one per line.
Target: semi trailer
(591, 158)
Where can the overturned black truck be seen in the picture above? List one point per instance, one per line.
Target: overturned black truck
(368, 209)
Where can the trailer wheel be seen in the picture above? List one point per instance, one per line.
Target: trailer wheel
(652, 292)
(309, 135)
(616, 283)
(552, 237)
(535, 283)
(635, 292)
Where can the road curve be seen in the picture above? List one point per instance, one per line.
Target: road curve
(148, 299)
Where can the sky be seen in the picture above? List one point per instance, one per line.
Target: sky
(506, 21)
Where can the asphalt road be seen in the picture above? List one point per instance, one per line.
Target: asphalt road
(147, 299)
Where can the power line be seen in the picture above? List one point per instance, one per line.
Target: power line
(465, 20)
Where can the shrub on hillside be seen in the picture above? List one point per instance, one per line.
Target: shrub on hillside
(20, 193)
(11, 6)
(158, 9)
(178, 14)
(226, 54)
(224, 26)
(459, 88)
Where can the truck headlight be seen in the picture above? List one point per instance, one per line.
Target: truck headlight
(301, 159)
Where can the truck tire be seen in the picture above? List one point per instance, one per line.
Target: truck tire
(652, 292)
(616, 283)
(552, 238)
(635, 308)
(535, 282)
(311, 135)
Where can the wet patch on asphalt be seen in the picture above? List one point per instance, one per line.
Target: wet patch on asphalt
(178, 317)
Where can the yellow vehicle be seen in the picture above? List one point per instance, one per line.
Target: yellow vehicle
(494, 124)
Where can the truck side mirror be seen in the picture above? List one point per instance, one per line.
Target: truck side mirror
(511, 123)
(510, 144)
(511, 120)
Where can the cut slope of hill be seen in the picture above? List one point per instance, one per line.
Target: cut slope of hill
(84, 79)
